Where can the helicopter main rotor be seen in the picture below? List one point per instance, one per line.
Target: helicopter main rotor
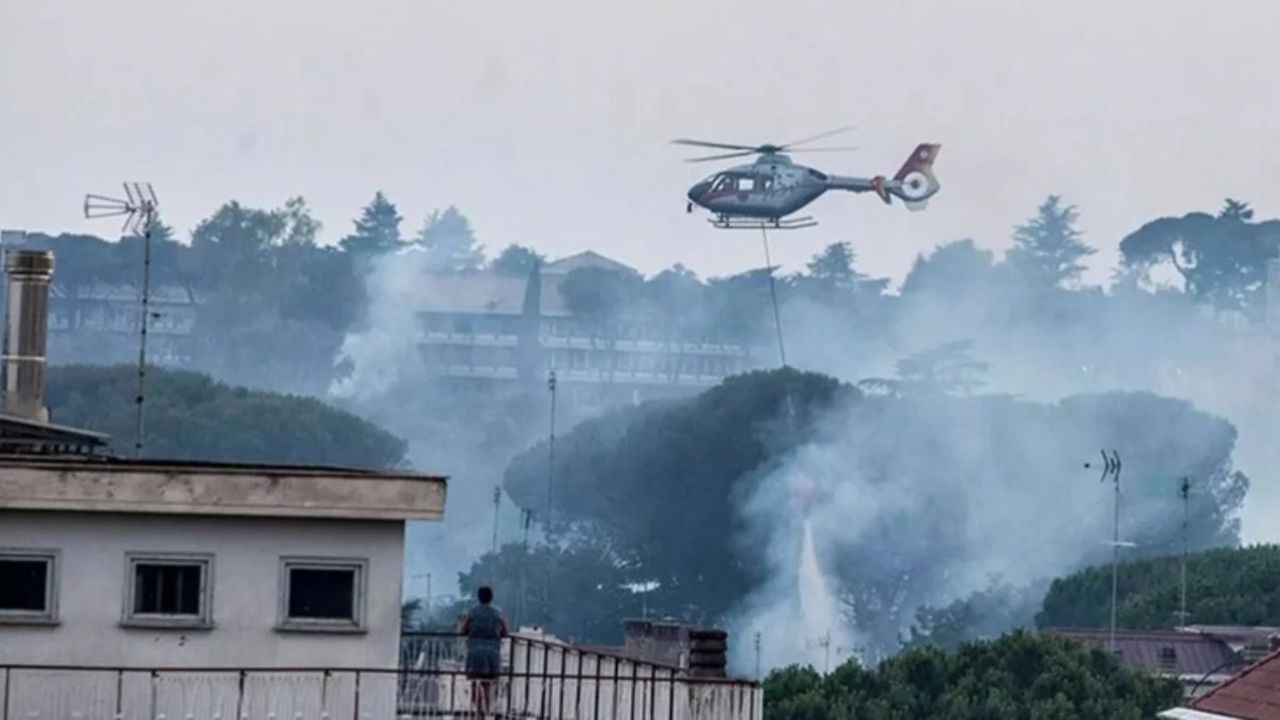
(766, 149)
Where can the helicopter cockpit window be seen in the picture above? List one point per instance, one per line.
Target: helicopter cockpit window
(723, 183)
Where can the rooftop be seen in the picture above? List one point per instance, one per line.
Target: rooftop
(1253, 694)
(1160, 651)
(109, 484)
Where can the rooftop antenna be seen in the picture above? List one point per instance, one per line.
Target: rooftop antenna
(551, 492)
(1185, 490)
(139, 212)
(497, 503)
(1111, 469)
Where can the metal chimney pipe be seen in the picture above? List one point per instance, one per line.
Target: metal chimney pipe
(26, 332)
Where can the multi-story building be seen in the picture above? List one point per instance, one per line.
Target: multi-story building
(485, 332)
(99, 322)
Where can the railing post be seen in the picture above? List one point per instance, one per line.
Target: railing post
(671, 694)
(155, 680)
(653, 685)
(4, 711)
(511, 673)
(564, 661)
(577, 690)
(119, 714)
(240, 714)
(355, 704)
(528, 674)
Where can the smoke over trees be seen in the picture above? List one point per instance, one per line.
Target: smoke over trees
(919, 495)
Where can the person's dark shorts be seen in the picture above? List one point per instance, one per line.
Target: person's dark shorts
(483, 666)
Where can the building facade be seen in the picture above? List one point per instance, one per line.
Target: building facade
(124, 563)
(485, 333)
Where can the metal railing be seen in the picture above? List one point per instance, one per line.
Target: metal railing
(545, 684)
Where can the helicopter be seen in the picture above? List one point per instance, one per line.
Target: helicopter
(765, 193)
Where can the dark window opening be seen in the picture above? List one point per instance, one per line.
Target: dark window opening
(322, 594)
(24, 585)
(164, 589)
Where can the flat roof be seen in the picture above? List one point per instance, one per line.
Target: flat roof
(180, 487)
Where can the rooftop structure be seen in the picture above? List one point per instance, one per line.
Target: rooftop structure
(1252, 694)
(1198, 660)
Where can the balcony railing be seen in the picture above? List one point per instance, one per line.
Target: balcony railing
(567, 686)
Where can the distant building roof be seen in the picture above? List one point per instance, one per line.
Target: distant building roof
(1253, 694)
(585, 259)
(21, 436)
(1159, 651)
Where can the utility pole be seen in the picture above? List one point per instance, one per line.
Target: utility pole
(526, 519)
(497, 503)
(551, 499)
(140, 213)
(1185, 490)
(757, 646)
(551, 456)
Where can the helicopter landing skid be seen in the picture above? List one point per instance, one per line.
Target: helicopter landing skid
(732, 222)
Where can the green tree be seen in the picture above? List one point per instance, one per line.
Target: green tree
(517, 261)
(951, 271)
(450, 243)
(1020, 675)
(377, 230)
(1221, 258)
(1225, 586)
(192, 417)
(1047, 249)
(603, 297)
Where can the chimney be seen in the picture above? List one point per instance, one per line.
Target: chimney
(707, 652)
(26, 331)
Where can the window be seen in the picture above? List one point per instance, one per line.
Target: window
(322, 594)
(169, 591)
(28, 582)
(746, 184)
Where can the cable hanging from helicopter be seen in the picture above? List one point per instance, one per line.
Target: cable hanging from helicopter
(767, 192)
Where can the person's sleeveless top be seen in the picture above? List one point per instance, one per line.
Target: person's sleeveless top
(485, 633)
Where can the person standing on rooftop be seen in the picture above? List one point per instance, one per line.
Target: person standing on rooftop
(484, 628)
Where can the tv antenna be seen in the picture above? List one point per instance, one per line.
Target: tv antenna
(139, 210)
(1184, 489)
(1111, 471)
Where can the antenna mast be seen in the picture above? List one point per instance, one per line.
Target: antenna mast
(1185, 490)
(497, 503)
(139, 211)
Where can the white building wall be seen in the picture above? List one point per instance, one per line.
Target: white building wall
(246, 587)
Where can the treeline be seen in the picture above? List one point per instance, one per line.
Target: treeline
(275, 303)
(192, 417)
(1225, 586)
(1020, 675)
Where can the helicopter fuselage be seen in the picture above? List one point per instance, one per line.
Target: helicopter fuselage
(771, 187)
(774, 187)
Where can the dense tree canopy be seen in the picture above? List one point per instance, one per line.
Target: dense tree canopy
(1020, 676)
(651, 482)
(1225, 586)
(190, 416)
(1221, 258)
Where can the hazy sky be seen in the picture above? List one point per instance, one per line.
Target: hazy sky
(547, 122)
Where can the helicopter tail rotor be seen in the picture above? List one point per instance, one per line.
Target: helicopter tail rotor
(915, 182)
